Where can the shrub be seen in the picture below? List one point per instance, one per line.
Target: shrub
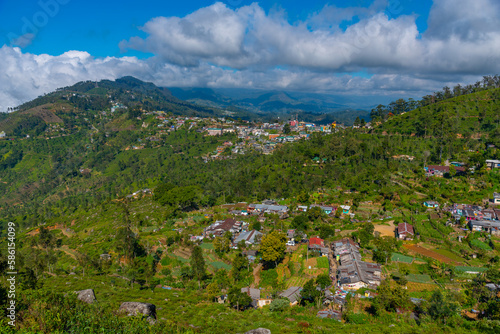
(279, 305)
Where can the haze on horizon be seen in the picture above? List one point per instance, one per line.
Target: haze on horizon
(374, 48)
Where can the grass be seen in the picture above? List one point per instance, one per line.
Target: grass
(449, 254)
(463, 269)
(322, 262)
(401, 258)
(419, 278)
(220, 265)
(480, 244)
(206, 245)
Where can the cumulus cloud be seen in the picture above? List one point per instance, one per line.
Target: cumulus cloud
(247, 37)
(218, 46)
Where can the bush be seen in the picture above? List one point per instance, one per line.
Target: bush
(279, 305)
(357, 318)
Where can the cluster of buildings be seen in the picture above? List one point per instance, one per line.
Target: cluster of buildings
(440, 171)
(478, 218)
(352, 272)
(238, 230)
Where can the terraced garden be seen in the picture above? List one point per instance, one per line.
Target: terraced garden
(428, 253)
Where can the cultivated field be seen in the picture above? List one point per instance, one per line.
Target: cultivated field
(428, 253)
(401, 258)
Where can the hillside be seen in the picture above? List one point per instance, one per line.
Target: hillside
(472, 115)
(80, 105)
(146, 206)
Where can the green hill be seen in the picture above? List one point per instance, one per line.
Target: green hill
(472, 115)
(80, 105)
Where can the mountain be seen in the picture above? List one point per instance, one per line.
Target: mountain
(268, 105)
(471, 115)
(70, 106)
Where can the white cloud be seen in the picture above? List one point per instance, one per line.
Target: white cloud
(249, 38)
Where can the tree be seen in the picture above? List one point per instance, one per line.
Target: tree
(238, 299)
(279, 305)
(286, 129)
(493, 275)
(273, 247)
(300, 222)
(198, 263)
(221, 278)
(390, 299)
(323, 281)
(315, 213)
(46, 238)
(240, 263)
(326, 231)
(385, 247)
(357, 122)
(453, 171)
(441, 307)
(303, 198)
(221, 245)
(309, 292)
(213, 291)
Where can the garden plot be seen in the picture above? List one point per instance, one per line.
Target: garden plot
(428, 253)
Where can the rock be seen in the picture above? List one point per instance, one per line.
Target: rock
(259, 331)
(136, 308)
(87, 296)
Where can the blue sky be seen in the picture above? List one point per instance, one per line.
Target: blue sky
(387, 48)
(98, 26)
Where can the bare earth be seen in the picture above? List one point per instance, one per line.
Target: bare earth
(386, 230)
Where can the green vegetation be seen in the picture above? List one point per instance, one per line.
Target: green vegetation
(111, 201)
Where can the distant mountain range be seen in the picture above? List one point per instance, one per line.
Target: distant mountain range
(262, 101)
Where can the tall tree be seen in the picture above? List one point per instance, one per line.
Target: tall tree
(273, 247)
(198, 264)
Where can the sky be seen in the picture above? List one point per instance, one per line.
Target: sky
(379, 48)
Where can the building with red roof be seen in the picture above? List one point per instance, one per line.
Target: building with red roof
(405, 231)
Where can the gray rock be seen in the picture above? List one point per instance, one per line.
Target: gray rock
(87, 296)
(136, 308)
(259, 331)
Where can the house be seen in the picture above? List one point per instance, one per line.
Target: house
(316, 243)
(326, 209)
(252, 293)
(222, 226)
(469, 214)
(293, 294)
(496, 198)
(439, 171)
(492, 227)
(345, 209)
(290, 234)
(405, 231)
(431, 204)
(269, 208)
(352, 273)
(105, 257)
(330, 314)
(214, 131)
(493, 164)
(250, 237)
(302, 208)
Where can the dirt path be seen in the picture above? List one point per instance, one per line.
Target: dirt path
(256, 276)
(66, 250)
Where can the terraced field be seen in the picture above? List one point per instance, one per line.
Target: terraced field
(428, 253)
